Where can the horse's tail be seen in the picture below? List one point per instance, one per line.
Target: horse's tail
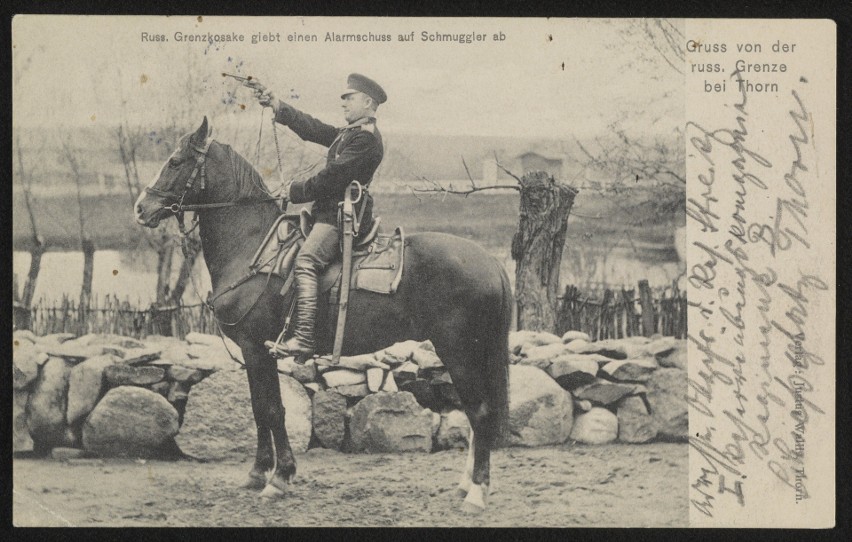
(497, 357)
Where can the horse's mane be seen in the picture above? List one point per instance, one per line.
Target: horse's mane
(249, 182)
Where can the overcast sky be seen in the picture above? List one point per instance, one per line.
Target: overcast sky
(76, 70)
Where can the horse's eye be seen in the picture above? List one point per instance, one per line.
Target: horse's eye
(174, 163)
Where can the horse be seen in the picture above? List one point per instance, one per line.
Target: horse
(451, 292)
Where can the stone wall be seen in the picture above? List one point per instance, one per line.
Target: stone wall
(110, 395)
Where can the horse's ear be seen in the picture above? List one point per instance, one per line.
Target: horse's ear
(200, 135)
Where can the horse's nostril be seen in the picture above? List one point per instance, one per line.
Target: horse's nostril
(138, 208)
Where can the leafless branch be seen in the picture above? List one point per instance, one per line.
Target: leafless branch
(506, 171)
(467, 170)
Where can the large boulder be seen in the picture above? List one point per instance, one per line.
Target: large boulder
(343, 377)
(397, 353)
(106, 339)
(329, 418)
(634, 347)
(602, 392)
(47, 404)
(26, 359)
(355, 363)
(674, 358)
(390, 422)
(353, 390)
(540, 411)
(425, 357)
(205, 339)
(667, 391)
(637, 369)
(134, 356)
(664, 346)
(212, 358)
(21, 439)
(573, 370)
(218, 421)
(597, 426)
(546, 352)
(22, 337)
(130, 421)
(54, 338)
(635, 424)
(405, 372)
(453, 431)
(129, 375)
(185, 375)
(611, 348)
(569, 336)
(74, 352)
(85, 385)
(519, 340)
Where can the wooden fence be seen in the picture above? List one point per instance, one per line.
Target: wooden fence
(112, 315)
(612, 314)
(602, 313)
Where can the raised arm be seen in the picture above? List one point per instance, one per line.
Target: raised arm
(305, 126)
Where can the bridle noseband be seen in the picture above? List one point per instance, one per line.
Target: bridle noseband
(199, 171)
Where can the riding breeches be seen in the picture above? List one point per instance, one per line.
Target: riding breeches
(319, 251)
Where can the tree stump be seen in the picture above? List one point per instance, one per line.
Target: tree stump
(537, 249)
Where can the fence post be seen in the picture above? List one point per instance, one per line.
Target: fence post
(646, 301)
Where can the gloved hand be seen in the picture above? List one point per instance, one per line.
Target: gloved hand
(264, 96)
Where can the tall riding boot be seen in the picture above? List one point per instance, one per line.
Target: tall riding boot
(301, 344)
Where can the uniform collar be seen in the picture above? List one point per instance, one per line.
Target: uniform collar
(360, 122)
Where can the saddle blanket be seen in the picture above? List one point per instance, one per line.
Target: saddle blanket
(377, 261)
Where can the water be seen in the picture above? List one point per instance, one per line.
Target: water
(132, 275)
(127, 274)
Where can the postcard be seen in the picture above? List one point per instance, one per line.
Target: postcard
(418, 272)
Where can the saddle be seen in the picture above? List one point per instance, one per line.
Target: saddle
(377, 257)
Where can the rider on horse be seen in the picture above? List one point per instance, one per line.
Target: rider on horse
(354, 153)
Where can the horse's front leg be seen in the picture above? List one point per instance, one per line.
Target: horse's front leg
(264, 460)
(272, 410)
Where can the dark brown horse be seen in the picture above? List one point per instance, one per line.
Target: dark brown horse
(452, 292)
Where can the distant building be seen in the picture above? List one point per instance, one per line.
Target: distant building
(533, 161)
(521, 164)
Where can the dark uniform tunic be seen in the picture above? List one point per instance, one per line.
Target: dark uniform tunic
(354, 153)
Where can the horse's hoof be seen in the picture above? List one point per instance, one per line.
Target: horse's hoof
(476, 498)
(472, 509)
(254, 481)
(271, 492)
(463, 488)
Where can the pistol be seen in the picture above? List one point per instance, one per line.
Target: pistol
(240, 78)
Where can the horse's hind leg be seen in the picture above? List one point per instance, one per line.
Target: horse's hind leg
(482, 441)
(467, 476)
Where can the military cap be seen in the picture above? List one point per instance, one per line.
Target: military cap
(358, 83)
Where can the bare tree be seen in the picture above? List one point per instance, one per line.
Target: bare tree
(545, 205)
(87, 245)
(39, 246)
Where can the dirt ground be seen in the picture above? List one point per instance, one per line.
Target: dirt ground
(558, 486)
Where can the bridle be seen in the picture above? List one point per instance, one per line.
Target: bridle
(199, 172)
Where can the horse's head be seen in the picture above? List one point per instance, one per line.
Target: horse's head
(180, 182)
